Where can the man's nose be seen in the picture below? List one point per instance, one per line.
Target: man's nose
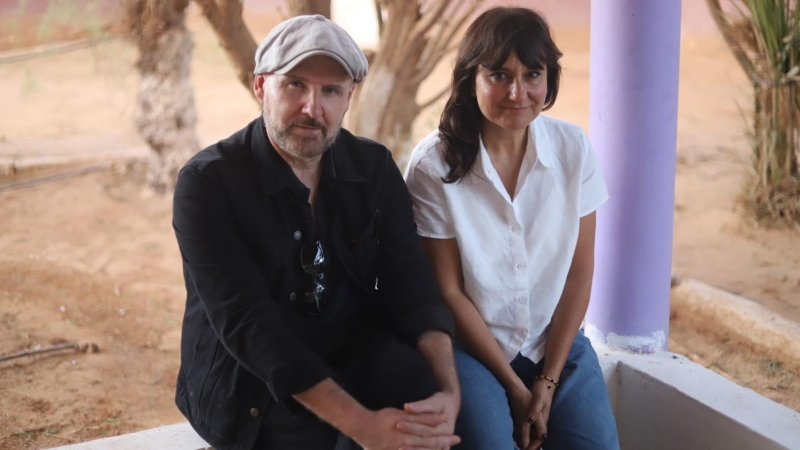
(312, 106)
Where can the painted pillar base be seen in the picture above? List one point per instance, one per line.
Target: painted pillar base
(635, 54)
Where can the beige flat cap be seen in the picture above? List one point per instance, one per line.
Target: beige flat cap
(301, 37)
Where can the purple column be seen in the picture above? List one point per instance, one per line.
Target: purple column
(635, 52)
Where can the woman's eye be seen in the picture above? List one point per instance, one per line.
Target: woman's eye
(534, 74)
(498, 76)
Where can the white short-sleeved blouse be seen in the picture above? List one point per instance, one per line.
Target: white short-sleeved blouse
(515, 254)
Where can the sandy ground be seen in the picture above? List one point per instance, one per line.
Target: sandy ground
(91, 258)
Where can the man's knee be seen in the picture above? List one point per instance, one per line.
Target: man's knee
(391, 374)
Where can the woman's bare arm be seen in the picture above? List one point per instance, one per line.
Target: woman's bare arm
(574, 301)
(471, 329)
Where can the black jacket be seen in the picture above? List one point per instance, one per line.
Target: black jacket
(240, 217)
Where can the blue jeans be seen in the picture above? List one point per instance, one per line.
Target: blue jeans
(580, 416)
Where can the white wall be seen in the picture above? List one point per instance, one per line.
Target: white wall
(664, 401)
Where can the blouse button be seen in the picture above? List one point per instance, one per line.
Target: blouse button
(292, 296)
(519, 265)
(297, 235)
(254, 412)
(514, 228)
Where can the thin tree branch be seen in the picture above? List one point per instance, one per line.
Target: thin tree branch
(225, 17)
(430, 46)
(437, 48)
(86, 347)
(56, 177)
(428, 20)
(307, 7)
(401, 19)
(435, 98)
(429, 65)
(458, 23)
(379, 13)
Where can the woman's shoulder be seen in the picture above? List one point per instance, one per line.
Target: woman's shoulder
(428, 155)
(560, 142)
(559, 128)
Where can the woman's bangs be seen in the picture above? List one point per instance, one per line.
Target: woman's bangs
(529, 47)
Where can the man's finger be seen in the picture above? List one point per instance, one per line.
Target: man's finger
(424, 406)
(431, 443)
(426, 419)
(423, 430)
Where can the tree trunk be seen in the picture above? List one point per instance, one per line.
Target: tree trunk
(166, 117)
(386, 91)
(225, 17)
(303, 7)
(412, 43)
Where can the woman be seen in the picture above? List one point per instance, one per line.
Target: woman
(505, 200)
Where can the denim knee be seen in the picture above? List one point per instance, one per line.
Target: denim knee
(484, 421)
(581, 416)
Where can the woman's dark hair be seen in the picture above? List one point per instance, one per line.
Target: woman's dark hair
(489, 42)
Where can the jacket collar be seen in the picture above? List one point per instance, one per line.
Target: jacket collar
(275, 173)
(342, 167)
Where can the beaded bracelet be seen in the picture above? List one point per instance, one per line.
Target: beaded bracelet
(545, 378)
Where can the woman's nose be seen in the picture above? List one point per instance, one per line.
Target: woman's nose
(515, 90)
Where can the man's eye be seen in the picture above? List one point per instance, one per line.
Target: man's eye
(332, 91)
(296, 83)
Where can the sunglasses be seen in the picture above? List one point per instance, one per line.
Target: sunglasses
(312, 259)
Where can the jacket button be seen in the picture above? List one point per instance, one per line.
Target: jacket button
(254, 412)
(292, 297)
(297, 235)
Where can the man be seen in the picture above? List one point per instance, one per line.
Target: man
(285, 229)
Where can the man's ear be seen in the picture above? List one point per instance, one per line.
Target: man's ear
(353, 87)
(258, 87)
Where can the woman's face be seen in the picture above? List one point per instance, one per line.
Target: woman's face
(511, 96)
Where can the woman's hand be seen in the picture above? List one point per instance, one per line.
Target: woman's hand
(520, 401)
(539, 412)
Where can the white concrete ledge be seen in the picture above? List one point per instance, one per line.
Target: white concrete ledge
(665, 401)
(180, 436)
(661, 401)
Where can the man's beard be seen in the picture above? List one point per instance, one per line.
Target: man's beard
(303, 146)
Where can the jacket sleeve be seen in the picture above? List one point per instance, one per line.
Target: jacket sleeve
(405, 279)
(233, 291)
